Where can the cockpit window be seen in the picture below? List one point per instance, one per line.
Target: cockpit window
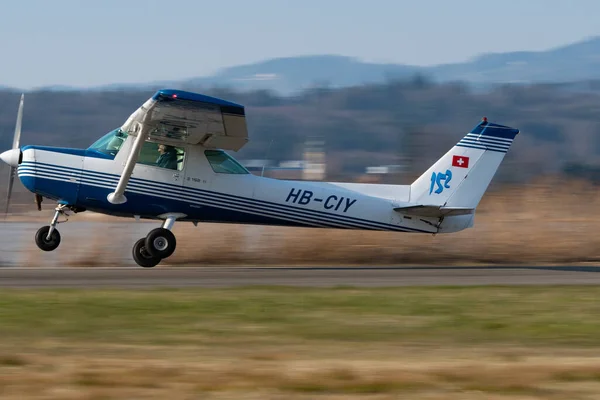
(110, 143)
(223, 163)
(162, 155)
(152, 153)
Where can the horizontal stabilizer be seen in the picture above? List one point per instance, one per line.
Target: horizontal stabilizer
(434, 211)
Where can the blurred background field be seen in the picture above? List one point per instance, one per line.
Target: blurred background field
(552, 221)
(277, 342)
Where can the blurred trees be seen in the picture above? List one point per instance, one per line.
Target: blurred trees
(411, 122)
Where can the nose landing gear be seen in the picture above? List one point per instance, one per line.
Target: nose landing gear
(47, 237)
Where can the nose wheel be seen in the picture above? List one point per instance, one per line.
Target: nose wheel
(47, 238)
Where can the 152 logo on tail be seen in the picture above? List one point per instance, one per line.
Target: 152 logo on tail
(442, 180)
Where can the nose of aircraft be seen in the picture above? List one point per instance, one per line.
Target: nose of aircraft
(11, 157)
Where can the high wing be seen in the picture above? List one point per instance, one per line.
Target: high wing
(179, 117)
(191, 118)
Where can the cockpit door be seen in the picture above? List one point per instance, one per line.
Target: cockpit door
(156, 178)
(159, 174)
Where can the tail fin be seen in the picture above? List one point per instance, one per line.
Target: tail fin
(459, 179)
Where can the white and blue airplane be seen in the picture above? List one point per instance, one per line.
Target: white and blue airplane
(169, 162)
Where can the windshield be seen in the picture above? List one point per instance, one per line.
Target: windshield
(110, 143)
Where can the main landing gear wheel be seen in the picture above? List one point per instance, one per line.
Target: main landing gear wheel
(142, 257)
(160, 243)
(47, 243)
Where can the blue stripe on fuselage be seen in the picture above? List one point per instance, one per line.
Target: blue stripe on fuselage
(150, 198)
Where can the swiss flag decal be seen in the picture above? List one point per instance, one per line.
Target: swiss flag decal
(460, 161)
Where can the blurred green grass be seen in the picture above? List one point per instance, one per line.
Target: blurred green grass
(301, 343)
(532, 316)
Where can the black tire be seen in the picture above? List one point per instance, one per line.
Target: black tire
(161, 242)
(141, 255)
(43, 243)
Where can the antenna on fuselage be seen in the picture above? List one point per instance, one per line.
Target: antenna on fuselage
(266, 157)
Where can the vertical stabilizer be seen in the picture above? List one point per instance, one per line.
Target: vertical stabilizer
(462, 175)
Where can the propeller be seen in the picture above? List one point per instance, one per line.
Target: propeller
(9, 156)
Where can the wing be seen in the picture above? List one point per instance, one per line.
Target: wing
(178, 117)
(183, 117)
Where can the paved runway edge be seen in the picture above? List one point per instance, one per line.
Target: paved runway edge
(295, 276)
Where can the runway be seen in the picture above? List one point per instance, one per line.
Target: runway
(214, 277)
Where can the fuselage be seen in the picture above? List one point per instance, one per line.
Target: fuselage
(206, 190)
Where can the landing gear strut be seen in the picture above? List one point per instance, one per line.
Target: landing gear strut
(47, 238)
(158, 245)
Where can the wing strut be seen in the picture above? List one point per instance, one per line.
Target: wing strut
(118, 196)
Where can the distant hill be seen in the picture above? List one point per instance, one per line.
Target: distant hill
(579, 61)
(574, 62)
(291, 74)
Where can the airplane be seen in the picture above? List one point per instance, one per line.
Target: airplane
(169, 162)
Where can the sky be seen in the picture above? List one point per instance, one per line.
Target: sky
(86, 43)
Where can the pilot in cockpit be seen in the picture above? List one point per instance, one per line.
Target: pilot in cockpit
(168, 157)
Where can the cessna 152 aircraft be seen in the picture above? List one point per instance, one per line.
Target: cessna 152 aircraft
(195, 180)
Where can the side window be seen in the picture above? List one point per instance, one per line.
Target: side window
(223, 163)
(162, 156)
